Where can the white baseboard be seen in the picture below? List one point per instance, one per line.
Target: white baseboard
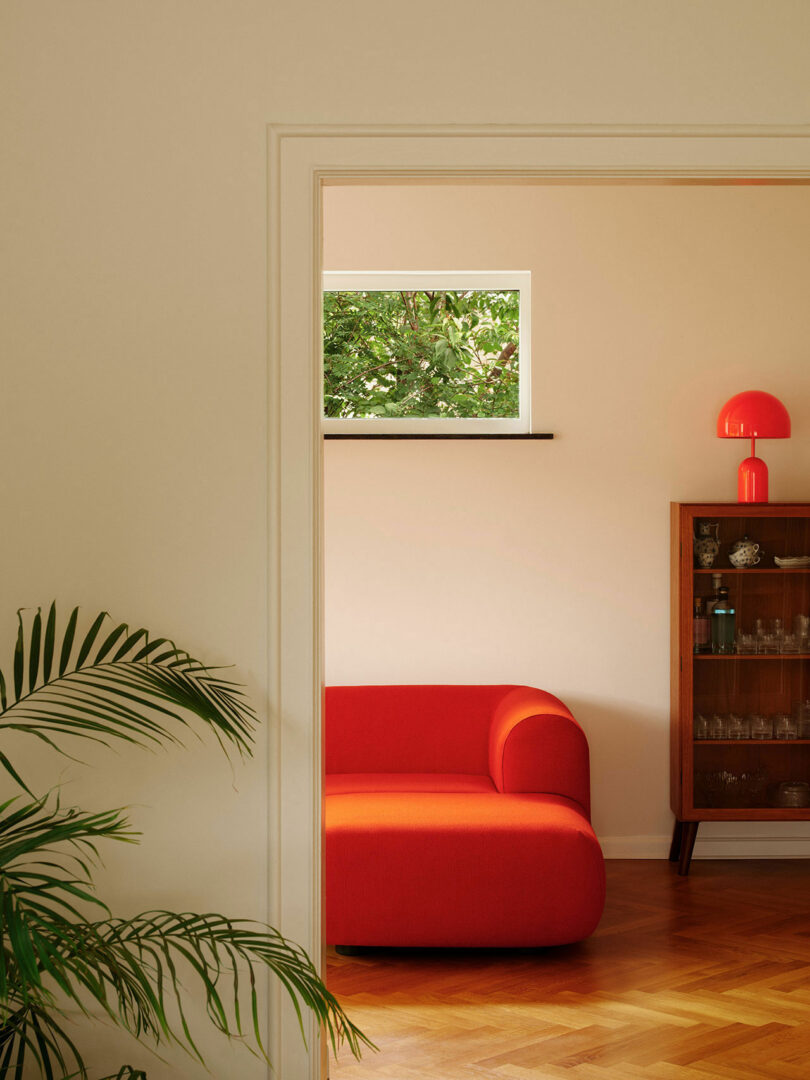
(635, 847)
(762, 846)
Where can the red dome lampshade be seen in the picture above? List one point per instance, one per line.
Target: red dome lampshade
(753, 415)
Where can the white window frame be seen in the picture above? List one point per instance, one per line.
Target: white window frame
(484, 280)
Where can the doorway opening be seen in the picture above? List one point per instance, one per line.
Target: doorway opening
(302, 159)
(478, 562)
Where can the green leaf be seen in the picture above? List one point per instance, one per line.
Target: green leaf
(67, 643)
(132, 640)
(19, 659)
(50, 636)
(90, 637)
(4, 761)
(33, 652)
(110, 641)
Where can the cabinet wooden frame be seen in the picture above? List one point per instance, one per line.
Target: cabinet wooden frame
(762, 683)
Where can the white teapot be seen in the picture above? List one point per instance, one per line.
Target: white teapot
(744, 552)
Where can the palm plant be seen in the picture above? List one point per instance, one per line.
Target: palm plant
(61, 946)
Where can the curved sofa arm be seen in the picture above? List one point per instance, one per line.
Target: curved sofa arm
(536, 745)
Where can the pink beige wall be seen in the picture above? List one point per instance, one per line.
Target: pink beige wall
(548, 562)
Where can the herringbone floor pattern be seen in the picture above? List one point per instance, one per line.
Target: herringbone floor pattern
(699, 978)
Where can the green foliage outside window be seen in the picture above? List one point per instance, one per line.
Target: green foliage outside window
(424, 354)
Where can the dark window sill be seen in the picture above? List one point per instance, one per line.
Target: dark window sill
(435, 435)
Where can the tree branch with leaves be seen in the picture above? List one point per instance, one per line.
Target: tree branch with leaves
(421, 353)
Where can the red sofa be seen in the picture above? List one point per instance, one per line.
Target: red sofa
(457, 816)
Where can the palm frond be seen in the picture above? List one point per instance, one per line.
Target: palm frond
(136, 970)
(46, 855)
(118, 685)
(105, 683)
(32, 1031)
(230, 952)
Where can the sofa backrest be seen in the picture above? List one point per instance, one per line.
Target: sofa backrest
(410, 729)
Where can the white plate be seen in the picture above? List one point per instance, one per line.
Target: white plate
(792, 561)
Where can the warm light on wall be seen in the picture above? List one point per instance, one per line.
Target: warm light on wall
(753, 415)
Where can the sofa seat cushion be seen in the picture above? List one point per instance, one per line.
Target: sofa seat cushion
(347, 783)
(514, 869)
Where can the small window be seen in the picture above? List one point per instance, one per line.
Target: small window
(426, 352)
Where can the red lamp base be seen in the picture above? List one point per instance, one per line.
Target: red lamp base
(752, 481)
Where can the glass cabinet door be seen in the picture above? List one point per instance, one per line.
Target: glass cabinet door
(750, 663)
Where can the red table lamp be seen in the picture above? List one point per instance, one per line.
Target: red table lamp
(753, 415)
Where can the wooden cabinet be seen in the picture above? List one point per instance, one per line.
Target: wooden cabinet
(740, 730)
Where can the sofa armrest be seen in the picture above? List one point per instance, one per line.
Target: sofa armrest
(536, 745)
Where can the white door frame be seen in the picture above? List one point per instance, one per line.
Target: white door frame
(301, 160)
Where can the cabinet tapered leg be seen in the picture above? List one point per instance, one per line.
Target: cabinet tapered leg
(689, 830)
(677, 839)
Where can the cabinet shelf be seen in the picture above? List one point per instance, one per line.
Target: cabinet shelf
(751, 571)
(751, 742)
(751, 656)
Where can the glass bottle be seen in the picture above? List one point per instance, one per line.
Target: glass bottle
(701, 638)
(723, 619)
(717, 581)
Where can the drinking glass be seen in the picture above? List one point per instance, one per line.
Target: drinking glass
(790, 643)
(746, 644)
(737, 727)
(717, 727)
(785, 726)
(801, 711)
(768, 644)
(761, 726)
(701, 726)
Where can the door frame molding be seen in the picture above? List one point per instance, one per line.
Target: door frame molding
(302, 158)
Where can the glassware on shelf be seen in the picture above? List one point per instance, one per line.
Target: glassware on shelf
(737, 727)
(790, 643)
(801, 627)
(767, 644)
(778, 629)
(802, 713)
(723, 788)
(795, 793)
(761, 727)
(701, 728)
(746, 644)
(785, 726)
(717, 726)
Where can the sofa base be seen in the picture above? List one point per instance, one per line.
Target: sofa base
(458, 869)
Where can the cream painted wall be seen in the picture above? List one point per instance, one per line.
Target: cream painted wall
(133, 399)
(547, 563)
(133, 429)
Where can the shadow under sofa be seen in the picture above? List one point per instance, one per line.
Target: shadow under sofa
(457, 816)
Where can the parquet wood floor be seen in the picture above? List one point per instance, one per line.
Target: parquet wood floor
(705, 977)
